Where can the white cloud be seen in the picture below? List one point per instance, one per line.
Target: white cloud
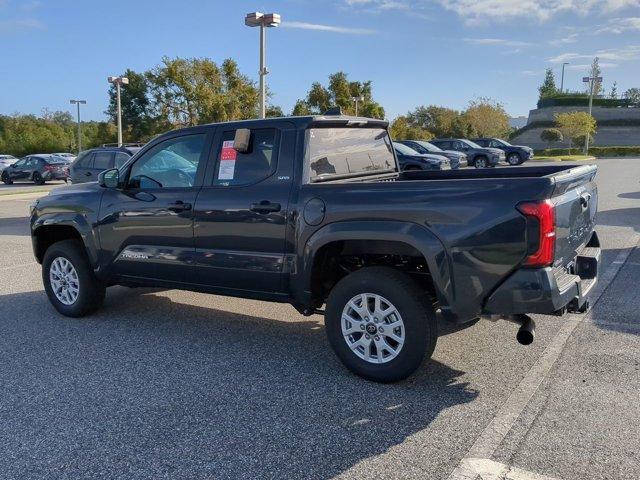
(482, 11)
(587, 66)
(630, 52)
(20, 24)
(327, 28)
(497, 41)
(620, 25)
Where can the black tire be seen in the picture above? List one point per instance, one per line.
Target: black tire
(415, 308)
(514, 159)
(37, 179)
(6, 180)
(481, 162)
(91, 290)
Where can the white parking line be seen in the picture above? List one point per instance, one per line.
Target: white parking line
(490, 470)
(487, 443)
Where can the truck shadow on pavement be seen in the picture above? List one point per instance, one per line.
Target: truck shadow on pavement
(154, 388)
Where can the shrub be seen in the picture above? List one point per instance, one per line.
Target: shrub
(551, 135)
(620, 151)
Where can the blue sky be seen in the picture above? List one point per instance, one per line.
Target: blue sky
(444, 52)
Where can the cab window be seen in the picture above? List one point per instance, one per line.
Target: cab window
(258, 163)
(169, 164)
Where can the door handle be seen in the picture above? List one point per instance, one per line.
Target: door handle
(87, 174)
(179, 206)
(265, 206)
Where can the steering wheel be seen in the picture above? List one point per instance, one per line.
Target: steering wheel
(180, 176)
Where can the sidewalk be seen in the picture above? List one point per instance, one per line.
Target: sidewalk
(584, 422)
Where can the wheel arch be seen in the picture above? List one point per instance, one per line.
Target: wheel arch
(47, 230)
(373, 237)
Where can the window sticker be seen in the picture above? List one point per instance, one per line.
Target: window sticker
(227, 161)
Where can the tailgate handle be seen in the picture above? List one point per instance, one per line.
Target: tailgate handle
(584, 200)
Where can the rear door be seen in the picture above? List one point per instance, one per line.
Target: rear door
(81, 168)
(241, 212)
(102, 160)
(147, 226)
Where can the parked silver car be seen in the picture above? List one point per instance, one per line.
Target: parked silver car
(6, 160)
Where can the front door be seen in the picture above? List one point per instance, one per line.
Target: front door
(241, 211)
(146, 227)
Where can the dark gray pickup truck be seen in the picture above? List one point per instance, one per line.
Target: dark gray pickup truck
(312, 211)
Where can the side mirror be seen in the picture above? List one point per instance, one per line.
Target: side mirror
(109, 178)
(242, 140)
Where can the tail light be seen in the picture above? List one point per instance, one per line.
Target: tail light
(541, 228)
(49, 168)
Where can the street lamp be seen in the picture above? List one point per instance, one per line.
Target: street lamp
(118, 81)
(262, 20)
(562, 78)
(591, 81)
(356, 100)
(78, 103)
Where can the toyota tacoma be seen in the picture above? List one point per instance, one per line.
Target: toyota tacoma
(313, 211)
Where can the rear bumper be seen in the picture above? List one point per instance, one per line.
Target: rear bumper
(54, 175)
(548, 290)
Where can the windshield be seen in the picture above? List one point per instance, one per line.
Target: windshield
(503, 143)
(401, 148)
(471, 144)
(56, 161)
(346, 152)
(429, 146)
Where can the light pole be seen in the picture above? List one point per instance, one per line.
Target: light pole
(591, 81)
(562, 78)
(356, 100)
(78, 103)
(262, 20)
(118, 81)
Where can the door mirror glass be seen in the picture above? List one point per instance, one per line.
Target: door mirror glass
(242, 140)
(109, 178)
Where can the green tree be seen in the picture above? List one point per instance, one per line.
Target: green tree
(193, 91)
(486, 118)
(575, 125)
(440, 121)
(138, 120)
(633, 95)
(402, 129)
(548, 87)
(274, 111)
(339, 93)
(614, 91)
(595, 72)
(551, 135)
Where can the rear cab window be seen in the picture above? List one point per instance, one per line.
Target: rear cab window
(332, 153)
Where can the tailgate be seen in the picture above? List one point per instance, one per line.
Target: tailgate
(575, 197)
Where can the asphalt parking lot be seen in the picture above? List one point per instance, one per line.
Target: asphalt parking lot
(169, 384)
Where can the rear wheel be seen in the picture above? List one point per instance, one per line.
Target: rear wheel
(513, 159)
(69, 281)
(6, 179)
(37, 179)
(480, 162)
(380, 324)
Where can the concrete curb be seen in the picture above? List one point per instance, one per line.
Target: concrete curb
(563, 159)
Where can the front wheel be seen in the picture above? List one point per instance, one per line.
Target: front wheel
(513, 159)
(380, 324)
(480, 162)
(6, 179)
(69, 281)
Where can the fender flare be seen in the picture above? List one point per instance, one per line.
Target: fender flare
(76, 221)
(419, 237)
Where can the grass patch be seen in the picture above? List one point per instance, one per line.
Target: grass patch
(22, 192)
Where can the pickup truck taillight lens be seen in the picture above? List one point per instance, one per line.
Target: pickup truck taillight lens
(543, 216)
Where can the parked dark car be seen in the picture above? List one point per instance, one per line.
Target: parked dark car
(477, 156)
(91, 162)
(409, 159)
(313, 211)
(456, 159)
(37, 169)
(515, 154)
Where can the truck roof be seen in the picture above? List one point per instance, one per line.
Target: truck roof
(301, 122)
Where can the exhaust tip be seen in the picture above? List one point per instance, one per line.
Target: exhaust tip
(526, 333)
